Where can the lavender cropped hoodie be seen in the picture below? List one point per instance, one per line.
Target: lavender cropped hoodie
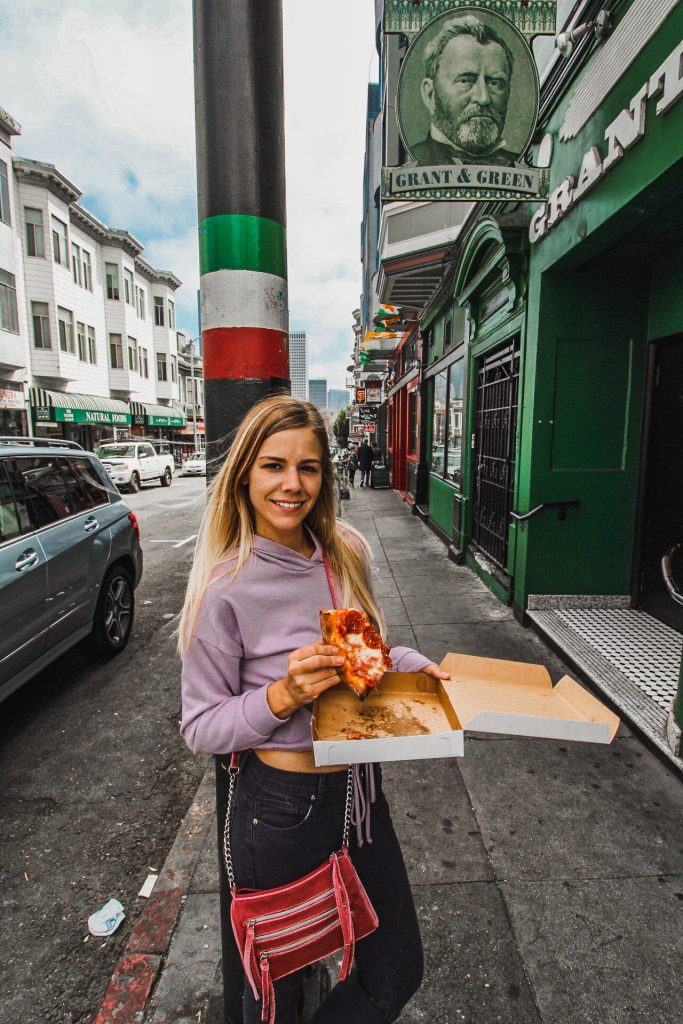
(244, 633)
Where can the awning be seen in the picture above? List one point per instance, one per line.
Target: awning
(60, 407)
(144, 413)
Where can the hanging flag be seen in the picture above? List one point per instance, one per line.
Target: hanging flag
(386, 315)
(371, 336)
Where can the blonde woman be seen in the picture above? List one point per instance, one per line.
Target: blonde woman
(253, 663)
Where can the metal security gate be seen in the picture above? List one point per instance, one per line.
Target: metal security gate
(494, 450)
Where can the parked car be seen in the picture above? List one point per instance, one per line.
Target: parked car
(70, 558)
(132, 463)
(195, 464)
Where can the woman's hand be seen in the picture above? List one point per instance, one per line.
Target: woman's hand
(434, 670)
(310, 671)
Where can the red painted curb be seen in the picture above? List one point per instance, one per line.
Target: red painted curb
(153, 930)
(128, 991)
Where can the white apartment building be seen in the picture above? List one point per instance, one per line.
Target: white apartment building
(298, 364)
(87, 327)
(13, 326)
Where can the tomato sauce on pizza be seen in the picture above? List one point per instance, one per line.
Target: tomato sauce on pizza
(366, 656)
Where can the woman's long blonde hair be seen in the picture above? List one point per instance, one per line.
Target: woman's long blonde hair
(226, 534)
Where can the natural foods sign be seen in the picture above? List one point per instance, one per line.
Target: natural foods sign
(56, 414)
(466, 105)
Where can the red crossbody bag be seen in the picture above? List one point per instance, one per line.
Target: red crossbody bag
(279, 931)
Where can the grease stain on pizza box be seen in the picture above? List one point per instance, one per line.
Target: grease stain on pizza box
(411, 715)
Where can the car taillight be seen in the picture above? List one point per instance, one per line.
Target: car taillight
(134, 523)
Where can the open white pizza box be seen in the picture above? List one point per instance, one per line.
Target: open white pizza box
(411, 715)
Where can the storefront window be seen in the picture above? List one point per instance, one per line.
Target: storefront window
(13, 422)
(412, 421)
(454, 441)
(447, 429)
(438, 459)
(8, 302)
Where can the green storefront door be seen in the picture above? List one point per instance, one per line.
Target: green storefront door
(497, 386)
(663, 503)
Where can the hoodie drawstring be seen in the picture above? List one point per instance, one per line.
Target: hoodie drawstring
(364, 795)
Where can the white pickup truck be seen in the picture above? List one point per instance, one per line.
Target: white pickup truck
(133, 463)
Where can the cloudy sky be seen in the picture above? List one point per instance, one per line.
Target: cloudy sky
(105, 92)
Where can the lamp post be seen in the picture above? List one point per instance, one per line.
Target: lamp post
(189, 351)
(193, 341)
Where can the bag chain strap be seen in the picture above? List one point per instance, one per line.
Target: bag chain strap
(233, 770)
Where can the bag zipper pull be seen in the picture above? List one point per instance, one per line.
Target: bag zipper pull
(248, 953)
(267, 991)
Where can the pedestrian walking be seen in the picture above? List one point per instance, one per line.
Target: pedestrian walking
(270, 555)
(352, 465)
(365, 463)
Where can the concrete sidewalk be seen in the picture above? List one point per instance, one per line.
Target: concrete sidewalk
(548, 876)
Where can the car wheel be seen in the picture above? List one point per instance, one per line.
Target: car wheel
(114, 614)
(166, 478)
(134, 485)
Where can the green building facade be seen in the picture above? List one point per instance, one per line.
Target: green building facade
(553, 356)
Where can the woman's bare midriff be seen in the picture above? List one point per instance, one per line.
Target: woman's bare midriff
(295, 761)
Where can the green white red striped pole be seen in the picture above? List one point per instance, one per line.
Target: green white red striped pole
(239, 109)
(241, 199)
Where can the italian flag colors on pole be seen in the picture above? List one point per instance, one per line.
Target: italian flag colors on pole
(243, 266)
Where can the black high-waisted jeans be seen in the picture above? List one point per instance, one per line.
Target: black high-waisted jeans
(284, 825)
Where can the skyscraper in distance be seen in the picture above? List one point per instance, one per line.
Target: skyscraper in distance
(298, 364)
(338, 398)
(317, 392)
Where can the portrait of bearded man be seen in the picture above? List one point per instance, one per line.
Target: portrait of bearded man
(466, 89)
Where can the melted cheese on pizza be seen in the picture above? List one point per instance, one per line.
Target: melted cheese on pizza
(366, 654)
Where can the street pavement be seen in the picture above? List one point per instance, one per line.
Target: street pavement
(94, 780)
(548, 875)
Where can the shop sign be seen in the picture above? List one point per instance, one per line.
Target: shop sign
(466, 105)
(165, 421)
(361, 396)
(532, 17)
(55, 414)
(625, 131)
(367, 415)
(373, 392)
(11, 399)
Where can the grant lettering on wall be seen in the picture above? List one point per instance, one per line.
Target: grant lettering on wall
(655, 97)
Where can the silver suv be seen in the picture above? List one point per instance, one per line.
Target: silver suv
(70, 557)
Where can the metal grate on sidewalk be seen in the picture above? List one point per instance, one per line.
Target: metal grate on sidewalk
(629, 655)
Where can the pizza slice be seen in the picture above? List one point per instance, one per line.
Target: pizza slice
(366, 656)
